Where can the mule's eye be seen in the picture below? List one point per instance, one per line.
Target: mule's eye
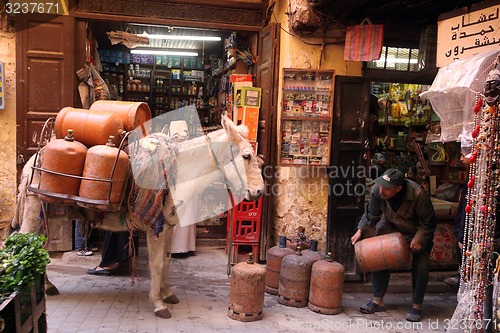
(247, 156)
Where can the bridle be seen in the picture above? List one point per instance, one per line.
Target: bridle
(230, 185)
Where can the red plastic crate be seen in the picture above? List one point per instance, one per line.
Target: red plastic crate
(245, 230)
(245, 220)
(248, 209)
(240, 251)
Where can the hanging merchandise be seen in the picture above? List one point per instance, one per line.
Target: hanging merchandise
(479, 253)
(303, 19)
(363, 42)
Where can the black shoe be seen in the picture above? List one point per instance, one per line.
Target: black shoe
(414, 315)
(371, 307)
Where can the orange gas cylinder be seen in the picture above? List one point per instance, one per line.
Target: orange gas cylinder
(90, 127)
(390, 251)
(246, 291)
(132, 114)
(65, 156)
(99, 163)
(295, 276)
(312, 252)
(273, 265)
(327, 282)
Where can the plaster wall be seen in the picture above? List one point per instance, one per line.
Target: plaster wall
(8, 125)
(302, 194)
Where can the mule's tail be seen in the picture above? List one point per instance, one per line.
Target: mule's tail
(17, 220)
(20, 201)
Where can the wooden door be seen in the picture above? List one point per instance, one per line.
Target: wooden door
(267, 79)
(348, 161)
(45, 75)
(45, 84)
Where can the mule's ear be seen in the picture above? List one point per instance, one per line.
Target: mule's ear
(243, 130)
(230, 128)
(226, 122)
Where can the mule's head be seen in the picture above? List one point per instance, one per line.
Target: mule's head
(251, 163)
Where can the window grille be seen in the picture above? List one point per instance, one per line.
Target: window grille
(396, 58)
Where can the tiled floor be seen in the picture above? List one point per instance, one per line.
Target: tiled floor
(111, 304)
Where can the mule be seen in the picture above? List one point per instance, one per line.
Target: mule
(236, 161)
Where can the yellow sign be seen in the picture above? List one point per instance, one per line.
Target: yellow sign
(463, 36)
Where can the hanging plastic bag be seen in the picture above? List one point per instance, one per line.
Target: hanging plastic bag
(363, 42)
(100, 87)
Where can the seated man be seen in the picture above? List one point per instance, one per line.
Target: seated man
(400, 205)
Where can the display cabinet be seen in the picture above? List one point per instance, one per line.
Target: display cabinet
(306, 117)
(164, 82)
(403, 120)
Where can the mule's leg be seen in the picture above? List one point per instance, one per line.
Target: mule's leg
(168, 295)
(156, 251)
(30, 223)
(50, 289)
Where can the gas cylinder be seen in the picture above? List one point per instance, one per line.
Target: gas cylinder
(99, 163)
(298, 239)
(132, 114)
(90, 127)
(390, 251)
(327, 282)
(312, 252)
(246, 291)
(65, 156)
(273, 265)
(295, 276)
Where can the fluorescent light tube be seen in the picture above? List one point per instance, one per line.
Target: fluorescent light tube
(165, 52)
(176, 37)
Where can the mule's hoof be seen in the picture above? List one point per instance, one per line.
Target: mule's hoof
(52, 291)
(172, 299)
(163, 313)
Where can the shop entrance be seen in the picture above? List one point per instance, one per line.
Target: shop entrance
(164, 82)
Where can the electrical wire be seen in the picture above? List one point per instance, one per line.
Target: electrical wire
(300, 38)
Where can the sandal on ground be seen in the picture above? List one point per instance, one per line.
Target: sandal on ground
(414, 315)
(84, 253)
(99, 271)
(371, 307)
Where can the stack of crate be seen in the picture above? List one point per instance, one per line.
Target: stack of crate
(243, 221)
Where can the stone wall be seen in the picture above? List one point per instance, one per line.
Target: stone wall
(302, 194)
(8, 127)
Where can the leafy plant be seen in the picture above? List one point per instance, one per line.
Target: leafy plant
(22, 259)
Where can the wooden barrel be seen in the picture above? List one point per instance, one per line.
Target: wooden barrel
(390, 251)
(132, 114)
(90, 127)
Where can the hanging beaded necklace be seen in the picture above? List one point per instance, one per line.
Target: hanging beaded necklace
(482, 197)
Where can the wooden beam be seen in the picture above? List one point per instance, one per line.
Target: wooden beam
(242, 4)
(155, 12)
(160, 21)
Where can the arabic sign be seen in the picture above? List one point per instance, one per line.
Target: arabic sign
(466, 35)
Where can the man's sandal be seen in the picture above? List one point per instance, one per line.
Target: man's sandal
(371, 307)
(414, 315)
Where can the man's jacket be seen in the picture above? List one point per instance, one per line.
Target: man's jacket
(415, 217)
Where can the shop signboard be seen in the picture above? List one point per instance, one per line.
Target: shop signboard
(463, 36)
(2, 94)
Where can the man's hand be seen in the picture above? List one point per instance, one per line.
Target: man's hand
(460, 246)
(356, 237)
(415, 246)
